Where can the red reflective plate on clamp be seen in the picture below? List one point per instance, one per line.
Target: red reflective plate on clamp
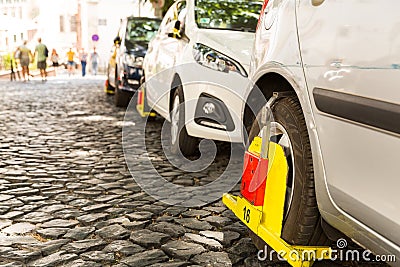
(254, 178)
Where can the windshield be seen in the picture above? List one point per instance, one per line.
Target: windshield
(140, 31)
(239, 15)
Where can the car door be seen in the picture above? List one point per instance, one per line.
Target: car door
(163, 66)
(351, 55)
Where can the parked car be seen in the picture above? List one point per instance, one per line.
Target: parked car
(196, 44)
(124, 69)
(339, 119)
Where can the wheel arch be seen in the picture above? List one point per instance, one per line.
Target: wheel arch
(176, 81)
(262, 90)
(275, 81)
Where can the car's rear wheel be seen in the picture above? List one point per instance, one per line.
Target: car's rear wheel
(180, 140)
(302, 222)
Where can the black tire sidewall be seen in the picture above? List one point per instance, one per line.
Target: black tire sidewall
(179, 141)
(122, 98)
(185, 143)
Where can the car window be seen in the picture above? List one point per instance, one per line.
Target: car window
(140, 31)
(239, 15)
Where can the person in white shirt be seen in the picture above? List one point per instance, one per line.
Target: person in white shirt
(94, 58)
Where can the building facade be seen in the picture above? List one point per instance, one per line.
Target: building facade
(67, 23)
(15, 23)
(102, 18)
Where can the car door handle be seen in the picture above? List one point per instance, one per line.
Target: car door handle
(317, 2)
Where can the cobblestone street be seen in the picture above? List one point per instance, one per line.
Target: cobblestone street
(67, 198)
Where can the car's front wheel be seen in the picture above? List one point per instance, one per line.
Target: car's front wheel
(180, 141)
(302, 222)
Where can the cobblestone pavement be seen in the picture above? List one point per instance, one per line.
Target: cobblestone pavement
(67, 198)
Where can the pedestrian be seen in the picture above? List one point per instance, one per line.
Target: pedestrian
(12, 77)
(42, 54)
(54, 59)
(83, 58)
(94, 58)
(24, 54)
(17, 69)
(14, 65)
(70, 63)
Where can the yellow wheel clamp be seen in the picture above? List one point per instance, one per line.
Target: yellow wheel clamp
(106, 90)
(142, 106)
(266, 165)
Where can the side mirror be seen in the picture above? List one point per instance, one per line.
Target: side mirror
(176, 31)
(177, 25)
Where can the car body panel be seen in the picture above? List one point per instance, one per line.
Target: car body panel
(354, 173)
(360, 169)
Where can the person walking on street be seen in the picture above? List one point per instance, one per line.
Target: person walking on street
(14, 65)
(54, 59)
(70, 63)
(83, 58)
(94, 58)
(24, 54)
(12, 77)
(42, 54)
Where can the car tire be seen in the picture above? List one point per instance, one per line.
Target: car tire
(121, 97)
(302, 220)
(180, 141)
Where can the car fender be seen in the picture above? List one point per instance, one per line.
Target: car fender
(296, 80)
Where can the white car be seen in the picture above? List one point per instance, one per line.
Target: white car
(335, 68)
(200, 57)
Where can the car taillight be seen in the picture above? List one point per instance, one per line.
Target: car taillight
(262, 13)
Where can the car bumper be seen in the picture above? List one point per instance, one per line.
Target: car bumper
(227, 96)
(132, 77)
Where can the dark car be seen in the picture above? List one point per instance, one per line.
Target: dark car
(124, 69)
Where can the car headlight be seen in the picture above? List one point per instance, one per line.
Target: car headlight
(210, 58)
(139, 62)
(129, 59)
(133, 61)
